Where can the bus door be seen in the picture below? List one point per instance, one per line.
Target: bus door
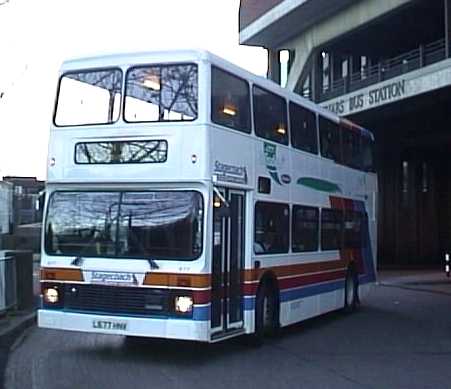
(227, 260)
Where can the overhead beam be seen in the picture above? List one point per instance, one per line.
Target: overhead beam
(339, 24)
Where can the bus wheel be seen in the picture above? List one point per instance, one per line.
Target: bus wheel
(266, 313)
(351, 302)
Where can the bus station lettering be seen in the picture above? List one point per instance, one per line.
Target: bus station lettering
(372, 98)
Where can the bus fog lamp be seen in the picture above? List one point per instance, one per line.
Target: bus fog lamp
(51, 295)
(183, 304)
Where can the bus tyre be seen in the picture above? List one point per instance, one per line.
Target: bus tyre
(351, 302)
(266, 313)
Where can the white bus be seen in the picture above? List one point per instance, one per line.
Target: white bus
(189, 199)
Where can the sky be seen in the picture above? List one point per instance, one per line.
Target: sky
(37, 36)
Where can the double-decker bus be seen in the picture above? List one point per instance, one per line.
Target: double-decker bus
(189, 199)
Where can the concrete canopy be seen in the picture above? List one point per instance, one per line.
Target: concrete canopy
(268, 23)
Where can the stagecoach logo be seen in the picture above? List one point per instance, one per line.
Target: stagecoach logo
(230, 173)
(270, 151)
(113, 278)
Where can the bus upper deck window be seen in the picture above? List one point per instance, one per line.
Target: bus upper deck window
(329, 139)
(303, 129)
(230, 101)
(368, 154)
(270, 116)
(161, 93)
(89, 97)
(352, 154)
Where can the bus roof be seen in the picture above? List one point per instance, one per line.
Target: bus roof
(198, 55)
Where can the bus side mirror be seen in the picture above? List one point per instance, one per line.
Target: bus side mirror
(223, 211)
(221, 206)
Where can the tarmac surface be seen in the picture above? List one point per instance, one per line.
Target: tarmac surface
(400, 338)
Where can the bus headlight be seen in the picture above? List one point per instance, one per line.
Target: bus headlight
(183, 304)
(51, 295)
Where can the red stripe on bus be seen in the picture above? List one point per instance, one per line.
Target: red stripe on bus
(298, 281)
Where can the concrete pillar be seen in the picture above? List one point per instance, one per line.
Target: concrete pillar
(447, 6)
(273, 65)
(316, 78)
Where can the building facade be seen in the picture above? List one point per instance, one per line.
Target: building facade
(385, 64)
(26, 193)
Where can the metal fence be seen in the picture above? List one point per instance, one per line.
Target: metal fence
(420, 57)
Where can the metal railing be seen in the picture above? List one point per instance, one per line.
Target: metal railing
(420, 57)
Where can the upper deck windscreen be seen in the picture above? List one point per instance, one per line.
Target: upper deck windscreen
(89, 97)
(161, 93)
(153, 93)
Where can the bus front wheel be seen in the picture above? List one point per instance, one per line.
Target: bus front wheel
(266, 313)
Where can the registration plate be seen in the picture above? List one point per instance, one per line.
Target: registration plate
(109, 325)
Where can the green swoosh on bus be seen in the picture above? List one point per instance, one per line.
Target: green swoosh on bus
(321, 185)
(272, 170)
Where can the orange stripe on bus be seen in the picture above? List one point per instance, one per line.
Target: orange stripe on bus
(204, 280)
(179, 280)
(60, 274)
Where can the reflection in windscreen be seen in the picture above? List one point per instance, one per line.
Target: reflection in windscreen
(162, 225)
(161, 93)
(89, 97)
(107, 152)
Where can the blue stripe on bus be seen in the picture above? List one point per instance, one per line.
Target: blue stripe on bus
(249, 303)
(294, 294)
(201, 313)
(308, 291)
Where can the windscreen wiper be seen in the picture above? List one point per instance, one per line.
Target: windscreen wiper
(78, 261)
(153, 264)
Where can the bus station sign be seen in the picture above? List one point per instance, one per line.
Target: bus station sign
(368, 99)
(423, 80)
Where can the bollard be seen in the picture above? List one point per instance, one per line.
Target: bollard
(447, 264)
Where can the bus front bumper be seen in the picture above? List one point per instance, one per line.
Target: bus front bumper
(125, 325)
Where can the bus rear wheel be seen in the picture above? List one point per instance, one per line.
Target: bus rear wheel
(351, 302)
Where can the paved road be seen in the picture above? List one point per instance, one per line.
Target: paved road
(401, 338)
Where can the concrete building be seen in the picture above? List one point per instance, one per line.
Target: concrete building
(26, 192)
(25, 219)
(385, 64)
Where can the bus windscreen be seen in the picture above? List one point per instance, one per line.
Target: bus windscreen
(144, 225)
